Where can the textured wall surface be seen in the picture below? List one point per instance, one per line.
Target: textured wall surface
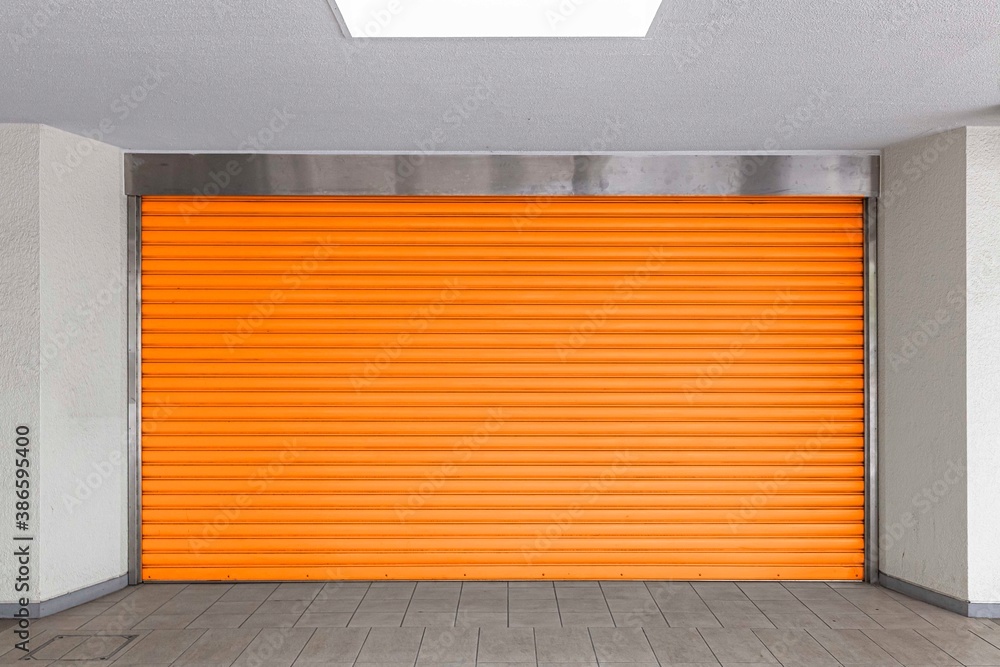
(922, 379)
(983, 317)
(18, 322)
(63, 353)
(83, 363)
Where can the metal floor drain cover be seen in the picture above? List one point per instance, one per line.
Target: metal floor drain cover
(69, 648)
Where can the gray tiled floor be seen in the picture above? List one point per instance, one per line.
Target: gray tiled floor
(562, 624)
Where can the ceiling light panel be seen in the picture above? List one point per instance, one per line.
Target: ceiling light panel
(497, 18)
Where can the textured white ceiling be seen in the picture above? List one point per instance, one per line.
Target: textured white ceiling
(716, 75)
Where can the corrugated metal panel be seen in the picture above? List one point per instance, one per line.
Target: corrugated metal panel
(472, 387)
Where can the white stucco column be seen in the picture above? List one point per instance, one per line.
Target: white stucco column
(939, 375)
(19, 338)
(63, 359)
(983, 363)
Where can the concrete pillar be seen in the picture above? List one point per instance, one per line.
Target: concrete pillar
(63, 361)
(939, 378)
(983, 365)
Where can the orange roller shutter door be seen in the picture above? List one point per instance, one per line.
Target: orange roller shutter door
(502, 388)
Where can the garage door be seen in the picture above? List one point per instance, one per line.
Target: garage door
(448, 388)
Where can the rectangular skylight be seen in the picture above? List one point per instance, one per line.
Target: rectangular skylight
(497, 18)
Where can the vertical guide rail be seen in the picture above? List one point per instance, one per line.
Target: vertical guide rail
(871, 392)
(134, 394)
